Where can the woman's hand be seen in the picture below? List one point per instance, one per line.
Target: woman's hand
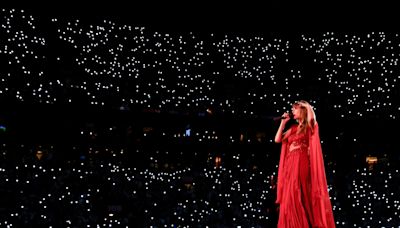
(285, 118)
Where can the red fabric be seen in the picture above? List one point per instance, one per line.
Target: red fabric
(302, 191)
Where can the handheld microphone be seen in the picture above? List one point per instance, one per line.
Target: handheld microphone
(281, 117)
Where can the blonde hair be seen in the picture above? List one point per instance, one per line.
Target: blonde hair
(307, 116)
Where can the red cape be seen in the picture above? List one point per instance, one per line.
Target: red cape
(321, 204)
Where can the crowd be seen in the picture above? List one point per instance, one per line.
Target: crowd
(112, 124)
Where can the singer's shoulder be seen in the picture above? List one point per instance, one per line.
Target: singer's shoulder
(291, 125)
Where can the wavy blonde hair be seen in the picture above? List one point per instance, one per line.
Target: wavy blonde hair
(307, 116)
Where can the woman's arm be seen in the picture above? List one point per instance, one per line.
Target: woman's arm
(284, 120)
(279, 137)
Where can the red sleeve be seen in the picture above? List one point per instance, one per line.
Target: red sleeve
(279, 183)
(321, 204)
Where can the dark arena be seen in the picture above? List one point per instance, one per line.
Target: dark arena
(105, 122)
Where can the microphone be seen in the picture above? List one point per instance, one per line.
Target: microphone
(281, 117)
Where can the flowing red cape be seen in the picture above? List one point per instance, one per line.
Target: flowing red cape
(321, 204)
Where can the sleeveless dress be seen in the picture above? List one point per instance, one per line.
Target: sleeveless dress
(302, 190)
(295, 209)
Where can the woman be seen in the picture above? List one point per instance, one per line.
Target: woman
(302, 192)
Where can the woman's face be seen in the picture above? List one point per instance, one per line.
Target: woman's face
(296, 112)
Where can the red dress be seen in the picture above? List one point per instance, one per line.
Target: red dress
(302, 192)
